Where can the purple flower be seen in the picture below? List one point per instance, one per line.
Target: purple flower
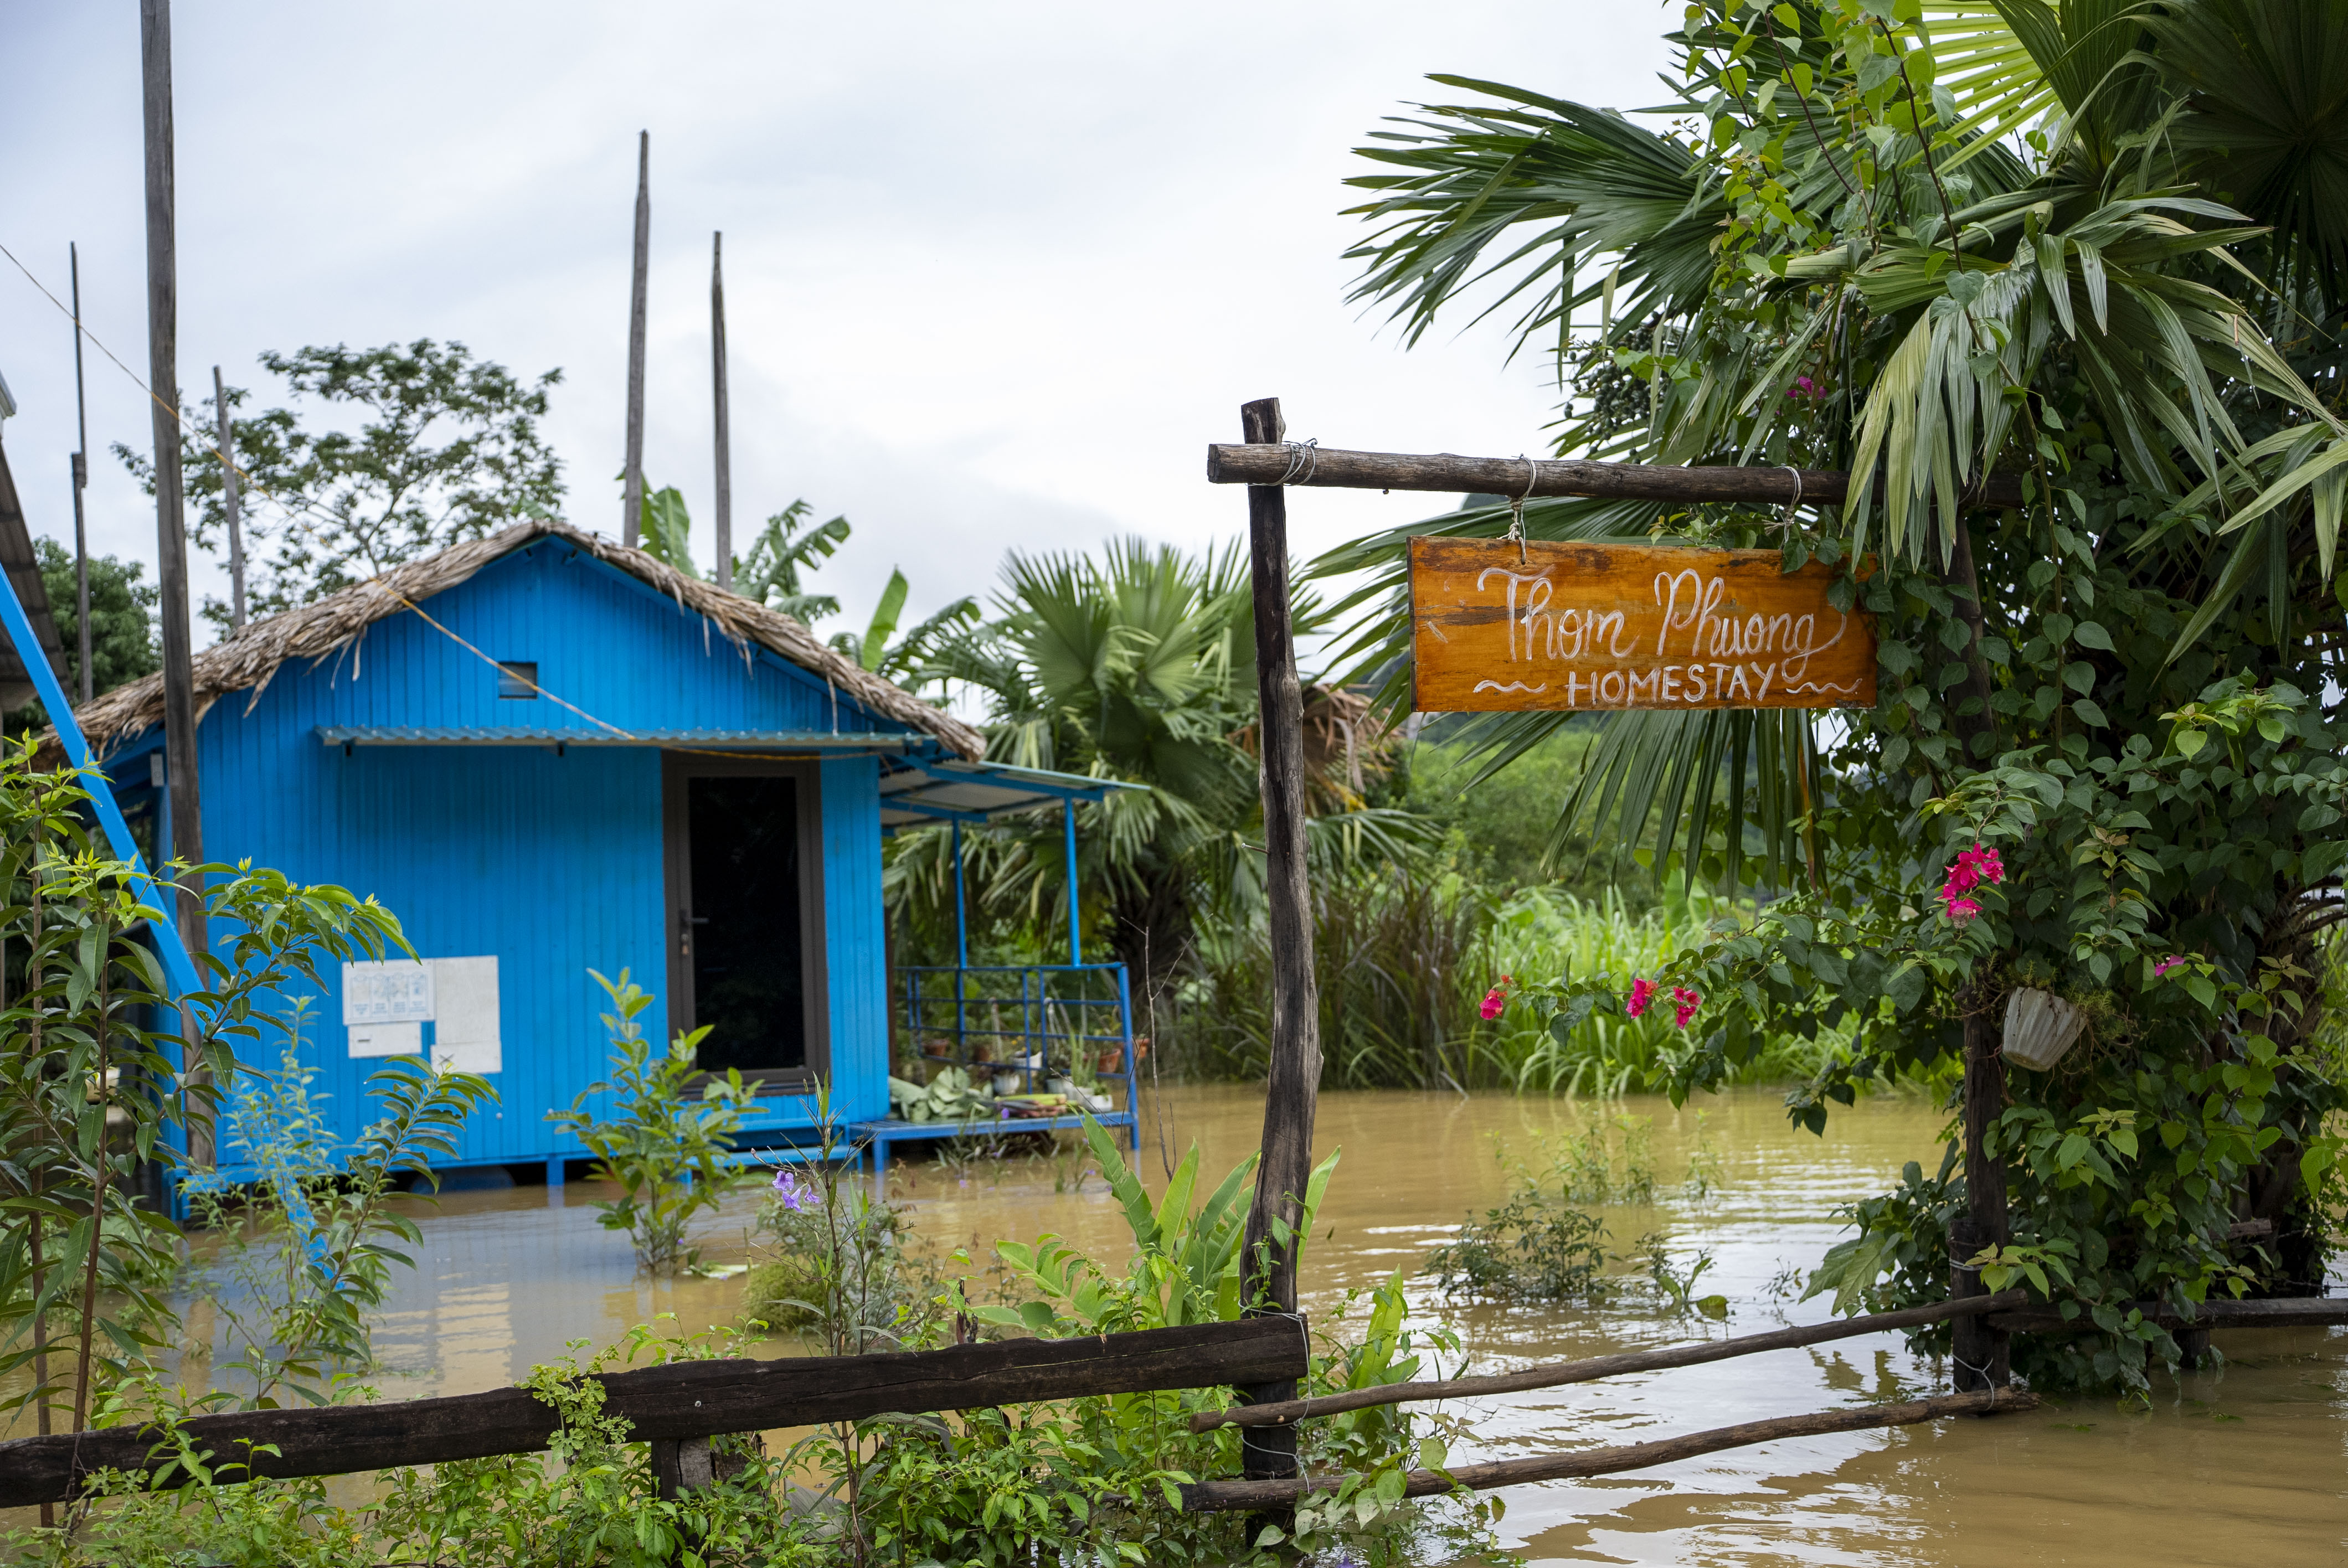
(794, 1192)
(2166, 964)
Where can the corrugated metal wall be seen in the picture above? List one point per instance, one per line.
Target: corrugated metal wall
(552, 863)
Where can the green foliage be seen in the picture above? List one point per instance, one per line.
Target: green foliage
(664, 1144)
(123, 642)
(836, 1269)
(1824, 264)
(1499, 830)
(307, 1248)
(446, 448)
(786, 550)
(664, 531)
(1402, 963)
(1899, 1256)
(1539, 1244)
(1534, 1246)
(1139, 665)
(80, 1256)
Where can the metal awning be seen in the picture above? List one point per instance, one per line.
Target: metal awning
(17, 686)
(932, 790)
(799, 740)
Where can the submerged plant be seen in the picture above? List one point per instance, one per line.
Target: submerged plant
(307, 1247)
(664, 1145)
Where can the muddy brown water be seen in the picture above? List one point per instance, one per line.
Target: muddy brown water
(2243, 1463)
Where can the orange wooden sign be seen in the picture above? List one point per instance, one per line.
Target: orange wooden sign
(1596, 627)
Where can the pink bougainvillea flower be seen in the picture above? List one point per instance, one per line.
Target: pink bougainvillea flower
(1972, 869)
(1642, 993)
(1496, 1000)
(1975, 866)
(1684, 1005)
(1803, 387)
(2166, 964)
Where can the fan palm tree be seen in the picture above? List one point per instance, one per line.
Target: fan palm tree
(1873, 249)
(1139, 665)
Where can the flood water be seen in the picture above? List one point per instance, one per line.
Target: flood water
(2241, 1464)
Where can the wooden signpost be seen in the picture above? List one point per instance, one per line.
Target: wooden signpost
(1499, 626)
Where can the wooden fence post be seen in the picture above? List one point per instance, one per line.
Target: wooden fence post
(1984, 1354)
(1278, 1210)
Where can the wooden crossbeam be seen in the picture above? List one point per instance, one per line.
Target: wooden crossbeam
(1222, 1496)
(1232, 463)
(684, 1399)
(1557, 1373)
(2276, 1312)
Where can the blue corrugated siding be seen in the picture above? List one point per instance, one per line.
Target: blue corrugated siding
(552, 864)
(854, 938)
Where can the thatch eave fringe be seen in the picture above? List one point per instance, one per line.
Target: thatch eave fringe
(333, 627)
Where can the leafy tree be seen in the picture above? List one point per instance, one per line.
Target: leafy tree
(908, 657)
(2105, 760)
(667, 533)
(123, 643)
(446, 448)
(783, 552)
(1139, 665)
(778, 558)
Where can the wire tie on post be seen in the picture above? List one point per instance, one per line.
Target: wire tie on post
(1517, 507)
(1303, 458)
(1787, 522)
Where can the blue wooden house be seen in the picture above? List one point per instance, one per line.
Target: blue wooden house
(548, 754)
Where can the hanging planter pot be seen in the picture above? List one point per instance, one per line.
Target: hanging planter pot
(2040, 1027)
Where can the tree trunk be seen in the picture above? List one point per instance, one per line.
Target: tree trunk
(1982, 1354)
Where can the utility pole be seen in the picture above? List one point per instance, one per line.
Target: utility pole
(228, 504)
(170, 518)
(80, 483)
(725, 437)
(632, 498)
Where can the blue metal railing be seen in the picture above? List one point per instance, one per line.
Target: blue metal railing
(1031, 1020)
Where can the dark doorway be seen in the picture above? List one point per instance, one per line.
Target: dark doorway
(741, 876)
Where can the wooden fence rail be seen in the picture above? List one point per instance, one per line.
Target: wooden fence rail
(2274, 1312)
(1212, 1496)
(1555, 1373)
(685, 1399)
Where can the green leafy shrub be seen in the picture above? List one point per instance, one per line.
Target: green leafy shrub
(307, 1248)
(663, 1145)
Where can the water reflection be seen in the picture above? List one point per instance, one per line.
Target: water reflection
(2238, 1465)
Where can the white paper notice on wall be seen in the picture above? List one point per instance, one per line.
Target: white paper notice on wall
(465, 1035)
(396, 992)
(386, 1039)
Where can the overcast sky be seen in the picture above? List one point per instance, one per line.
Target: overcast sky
(995, 274)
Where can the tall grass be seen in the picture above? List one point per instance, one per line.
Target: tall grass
(1402, 963)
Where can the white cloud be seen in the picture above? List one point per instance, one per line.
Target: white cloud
(995, 274)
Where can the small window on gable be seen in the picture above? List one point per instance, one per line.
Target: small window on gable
(517, 678)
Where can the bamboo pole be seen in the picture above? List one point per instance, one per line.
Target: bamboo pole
(632, 489)
(229, 504)
(725, 578)
(1272, 462)
(1556, 1374)
(80, 483)
(1218, 1496)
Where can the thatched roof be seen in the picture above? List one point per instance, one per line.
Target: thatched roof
(247, 659)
